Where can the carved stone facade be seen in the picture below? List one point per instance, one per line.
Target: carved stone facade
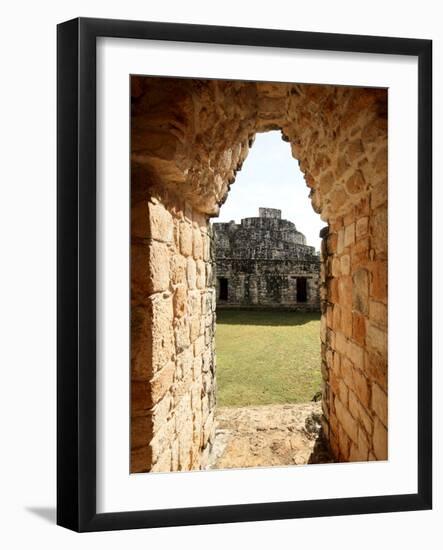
(265, 262)
(188, 139)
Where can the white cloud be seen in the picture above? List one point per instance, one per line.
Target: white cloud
(270, 177)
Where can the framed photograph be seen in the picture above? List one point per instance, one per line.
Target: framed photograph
(244, 274)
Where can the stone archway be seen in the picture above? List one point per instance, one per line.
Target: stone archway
(189, 138)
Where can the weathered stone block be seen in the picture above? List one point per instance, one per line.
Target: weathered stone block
(162, 382)
(163, 462)
(344, 444)
(363, 442)
(161, 331)
(199, 346)
(345, 264)
(380, 440)
(335, 267)
(379, 194)
(158, 271)
(180, 301)
(378, 313)
(178, 269)
(336, 365)
(197, 369)
(349, 236)
(208, 429)
(343, 392)
(381, 161)
(336, 317)
(197, 244)
(362, 207)
(379, 234)
(191, 273)
(354, 453)
(379, 403)
(324, 371)
(194, 328)
(200, 274)
(359, 328)
(379, 281)
(181, 334)
(323, 329)
(360, 386)
(376, 367)
(356, 354)
(360, 413)
(184, 363)
(356, 183)
(361, 227)
(354, 150)
(160, 222)
(331, 243)
(346, 322)
(346, 420)
(377, 340)
(326, 181)
(360, 291)
(186, 235)
(160, 413)
(341, 343)
(360, 253)
(333, 292)
(345, 292)
(340, 241)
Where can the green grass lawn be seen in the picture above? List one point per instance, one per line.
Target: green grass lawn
(266, 357)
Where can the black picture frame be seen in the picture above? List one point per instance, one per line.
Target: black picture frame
(76, 266)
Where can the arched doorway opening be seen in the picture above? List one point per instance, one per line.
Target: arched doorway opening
(189, 138)
(266, 243)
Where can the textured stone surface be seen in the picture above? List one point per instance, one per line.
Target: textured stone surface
(269, 435)
(188, 139)
(172, 426)
(261, 260)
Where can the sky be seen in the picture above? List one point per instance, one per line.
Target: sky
(270, 177)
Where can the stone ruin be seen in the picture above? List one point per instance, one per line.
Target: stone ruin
(189, 137)
(265, 262)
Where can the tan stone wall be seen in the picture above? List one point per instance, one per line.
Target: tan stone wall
(189, 138)
(173, 318)
(354, 334)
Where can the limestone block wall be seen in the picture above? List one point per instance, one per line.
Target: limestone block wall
(173, 321)
(260, 261)
(268, 283)
(188, 139)
(354, 331)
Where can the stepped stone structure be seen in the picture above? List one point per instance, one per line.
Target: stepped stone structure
(265, 262)
(189, 137)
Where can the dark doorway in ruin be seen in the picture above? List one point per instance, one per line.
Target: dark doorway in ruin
(302, 293)
(223, 286)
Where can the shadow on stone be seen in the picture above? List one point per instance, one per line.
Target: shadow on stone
(320, 453)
